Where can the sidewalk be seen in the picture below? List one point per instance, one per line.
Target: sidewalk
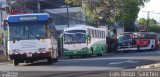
(149, 66)
(4, 59)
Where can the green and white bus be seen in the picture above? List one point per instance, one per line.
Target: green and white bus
(82, 40)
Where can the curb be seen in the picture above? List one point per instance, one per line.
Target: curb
(157, 65)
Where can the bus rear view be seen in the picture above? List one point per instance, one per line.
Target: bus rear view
(30, 38)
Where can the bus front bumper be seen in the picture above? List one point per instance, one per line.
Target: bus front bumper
(30, 56)
(127, 49)
(77, 52)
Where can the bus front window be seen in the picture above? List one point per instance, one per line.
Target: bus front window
(68, 38)
(21, 31)
(122, 39)
(74, 38)
(80, 38)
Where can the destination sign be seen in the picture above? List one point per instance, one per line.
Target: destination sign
(27, 18)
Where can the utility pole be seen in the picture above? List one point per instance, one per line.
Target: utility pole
(39, 7)
(148, 17)
(1, 14)
(67, 16)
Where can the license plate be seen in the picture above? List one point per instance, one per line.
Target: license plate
(29, 55)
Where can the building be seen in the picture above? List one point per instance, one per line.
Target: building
(64, 15)
(3, 13)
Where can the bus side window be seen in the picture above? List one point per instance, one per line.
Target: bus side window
(92, 33)
(103, 34)
(98, 34)
(88, 30)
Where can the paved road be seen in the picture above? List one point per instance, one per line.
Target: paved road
(108, 62)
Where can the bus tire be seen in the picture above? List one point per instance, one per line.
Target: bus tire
(125, 51)
(49, 60)
(92, 50)
(55, 60)
(15, 62)
(71, 57)
(100, 54)
(138, 49)
(152, 48)
(102, 49)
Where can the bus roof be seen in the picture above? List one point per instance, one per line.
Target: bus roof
(28, 17)
(82, 27)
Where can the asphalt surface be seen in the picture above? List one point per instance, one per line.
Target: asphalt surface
(83, 67)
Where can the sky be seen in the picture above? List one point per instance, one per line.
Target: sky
(154, 7)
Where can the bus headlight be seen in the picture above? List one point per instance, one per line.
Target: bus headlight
(42, 40)
(16, 50)
(85, 48)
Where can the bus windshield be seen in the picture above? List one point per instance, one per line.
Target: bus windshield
(27, 30)
(124, 39)
(74, 38)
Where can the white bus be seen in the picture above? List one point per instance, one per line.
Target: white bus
(82, 40)
(31, 37)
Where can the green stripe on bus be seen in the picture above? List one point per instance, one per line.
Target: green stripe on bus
(98, 48)
(77, 52)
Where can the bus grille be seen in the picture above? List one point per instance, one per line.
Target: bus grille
(29, 45)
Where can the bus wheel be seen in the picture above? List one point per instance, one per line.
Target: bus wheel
(89, 55)
(102, 49)
(49, 61)
(100, 54)
(125, 51)
(138, 48)
(55, 60)
(71, 57)
(92, 50)
(152, 48)
(84, 56)
(15, 62)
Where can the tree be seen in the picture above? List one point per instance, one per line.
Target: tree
(152, 22)
(3, 34)
(155, 28)
(108, 11)
(142, 21)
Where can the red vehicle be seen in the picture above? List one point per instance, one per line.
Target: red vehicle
(136, 41)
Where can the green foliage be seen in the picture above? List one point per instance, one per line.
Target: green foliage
(155, 28)
(143, 21)
(3, 34)
(109, 11)
(152, 24)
